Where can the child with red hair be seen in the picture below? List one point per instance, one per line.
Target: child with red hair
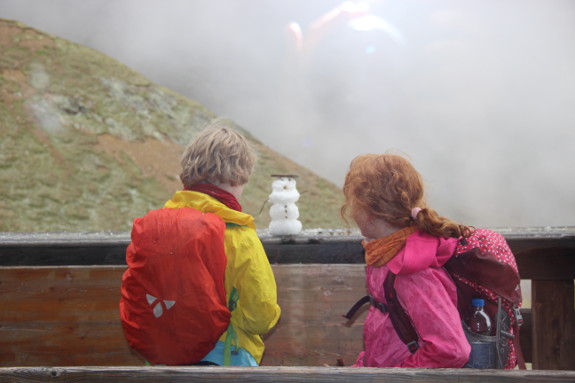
(384, 195)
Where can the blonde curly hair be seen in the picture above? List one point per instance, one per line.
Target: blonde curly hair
(218, 154)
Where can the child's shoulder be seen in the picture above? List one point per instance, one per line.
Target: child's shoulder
(429, 281)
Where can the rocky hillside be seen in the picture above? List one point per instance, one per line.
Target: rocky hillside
(88, 144)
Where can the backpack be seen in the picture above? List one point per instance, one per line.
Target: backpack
(482, 266)
(173, 305)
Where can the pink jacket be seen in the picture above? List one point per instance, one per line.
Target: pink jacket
(428, 295)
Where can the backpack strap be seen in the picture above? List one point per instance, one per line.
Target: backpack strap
(231, 335)
(516, 344)
(353, 310)
(399, 318)
(367, 299)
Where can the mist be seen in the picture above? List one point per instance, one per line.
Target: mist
(479, 94)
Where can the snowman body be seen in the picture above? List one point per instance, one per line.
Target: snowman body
(284, 212)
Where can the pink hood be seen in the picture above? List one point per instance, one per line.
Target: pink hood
(421, 251)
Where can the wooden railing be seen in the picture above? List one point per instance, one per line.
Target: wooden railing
(59, 294)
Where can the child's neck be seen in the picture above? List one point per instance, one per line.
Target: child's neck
(236, 190)
(380, 229)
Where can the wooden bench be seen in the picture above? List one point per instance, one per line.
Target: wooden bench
(59, 294)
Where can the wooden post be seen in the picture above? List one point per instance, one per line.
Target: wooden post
(553, 316)
(552, 270)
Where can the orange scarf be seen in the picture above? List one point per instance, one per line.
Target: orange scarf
(382, 250)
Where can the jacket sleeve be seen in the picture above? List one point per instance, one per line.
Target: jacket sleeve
(429, 299)
(250, 273)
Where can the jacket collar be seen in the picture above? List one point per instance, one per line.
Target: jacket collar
(208, 204)
(380, 251)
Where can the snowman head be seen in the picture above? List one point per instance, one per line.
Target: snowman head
(284, 190)
(283, 184)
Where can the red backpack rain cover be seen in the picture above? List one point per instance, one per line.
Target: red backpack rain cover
(173, 305)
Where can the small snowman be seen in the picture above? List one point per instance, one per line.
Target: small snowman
(284, 212)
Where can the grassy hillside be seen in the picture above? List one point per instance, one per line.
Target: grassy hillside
(89, 144)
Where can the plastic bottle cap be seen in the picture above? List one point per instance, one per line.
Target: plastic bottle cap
(478, 302)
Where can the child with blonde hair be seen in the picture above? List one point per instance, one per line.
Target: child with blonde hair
(384, 195)
(216, 167)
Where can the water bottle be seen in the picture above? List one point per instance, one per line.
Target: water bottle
(479, 322)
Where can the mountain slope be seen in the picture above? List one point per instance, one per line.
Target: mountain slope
(89, 144)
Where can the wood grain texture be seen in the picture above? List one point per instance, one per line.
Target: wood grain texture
(62, 316)
(275, 374)
(312, 331)
(69, 316)
(553, 315)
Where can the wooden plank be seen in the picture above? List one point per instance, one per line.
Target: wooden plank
(551, 263)
(316, 252)
(311, 246)
(312, 331)
(64, 316)
(60, 255)
(553, 317)
(275, 374)
(69, 316)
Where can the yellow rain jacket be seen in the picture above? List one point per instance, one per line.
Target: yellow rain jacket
(248, 270)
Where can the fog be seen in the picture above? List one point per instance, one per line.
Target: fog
(479, 94)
